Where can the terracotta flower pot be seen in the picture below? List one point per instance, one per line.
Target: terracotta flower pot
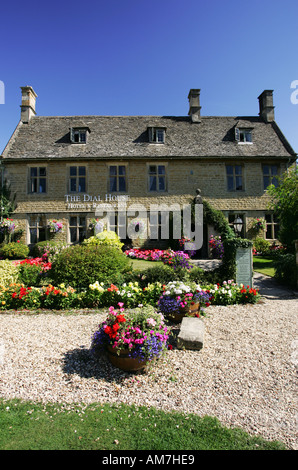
(124, 362)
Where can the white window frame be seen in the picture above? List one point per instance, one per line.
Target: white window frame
(157, 135)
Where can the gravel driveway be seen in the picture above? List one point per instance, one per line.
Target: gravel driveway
(245, 375)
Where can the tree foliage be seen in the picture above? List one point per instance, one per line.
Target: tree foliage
(285, 205)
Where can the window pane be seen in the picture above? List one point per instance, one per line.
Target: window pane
(230, 183)
(42, 172)
(33, 171)
(238, 170)
(113, 170)
(73, 234)
(121, 170)
(268, 218)
(248, 137)
(42, 185)
(33, 235)
(266, 170)
(160, 135)
(152, 170)
(229, 170)
(73, 171)
(82, 136)
(122, 185)
(42, 234)
(82, 234)
(161, 169)
(266, 181)
(162, 185)
(73, 221)
(274, 181)
(82, 170)
(82, 221)
(269, 231)
(238, 183)
(73, 186)
(34, 185)
(152, 183)
(113, 183)
(274, 170)
(82, 185)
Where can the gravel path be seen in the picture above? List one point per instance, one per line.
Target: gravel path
(245, 375)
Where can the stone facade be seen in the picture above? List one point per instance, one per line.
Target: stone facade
(194, 152)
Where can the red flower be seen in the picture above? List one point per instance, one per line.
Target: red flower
(170, 347)
(120, 318)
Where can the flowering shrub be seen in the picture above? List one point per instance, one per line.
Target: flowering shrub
(216, 247)
(106, 238)
(178, 260)
(131, 294)
(8, 272)
(14, 250)
(59, 297)
(17, 296)
(171, 258)
(140, 331)
(231, 293)
(182, 243)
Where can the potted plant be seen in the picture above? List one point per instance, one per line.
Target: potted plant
(179, 299)
(132, 338)
(55, 226)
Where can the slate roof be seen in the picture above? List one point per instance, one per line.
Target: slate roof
(124, 137)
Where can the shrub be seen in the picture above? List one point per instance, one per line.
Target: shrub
(261, 246)
(8, 272)
(106, 238)
(81, 265)
(286, 269)
(47, 249)
(162, 274)
(14, 250)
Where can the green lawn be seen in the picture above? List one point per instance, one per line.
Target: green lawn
(31, 426)
(140, 264)
(263, 265)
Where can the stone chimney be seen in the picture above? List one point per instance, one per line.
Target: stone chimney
(194, 105)
(28, 103)
(266, 105)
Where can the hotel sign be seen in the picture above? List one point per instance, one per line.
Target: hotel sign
(90, 202)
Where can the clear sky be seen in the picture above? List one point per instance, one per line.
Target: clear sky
(134, 57)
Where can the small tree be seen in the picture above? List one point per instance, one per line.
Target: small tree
(285, 205)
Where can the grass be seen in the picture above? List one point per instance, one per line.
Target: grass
(140, 264)
(263, 265)
(32, 426)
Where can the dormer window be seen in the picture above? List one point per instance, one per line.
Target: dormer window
(243, 135)
(78, 135)
(157, 135)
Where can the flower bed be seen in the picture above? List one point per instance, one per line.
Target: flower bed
(154, 255)
(18, 296)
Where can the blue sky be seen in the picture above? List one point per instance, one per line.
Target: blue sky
(136, 57)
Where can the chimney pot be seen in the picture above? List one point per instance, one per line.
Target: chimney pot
(266, 106)
(28, 103)
(194, 105)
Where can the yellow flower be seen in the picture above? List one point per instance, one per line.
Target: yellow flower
(3, 302)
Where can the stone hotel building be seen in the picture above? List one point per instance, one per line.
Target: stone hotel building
(70, 168)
